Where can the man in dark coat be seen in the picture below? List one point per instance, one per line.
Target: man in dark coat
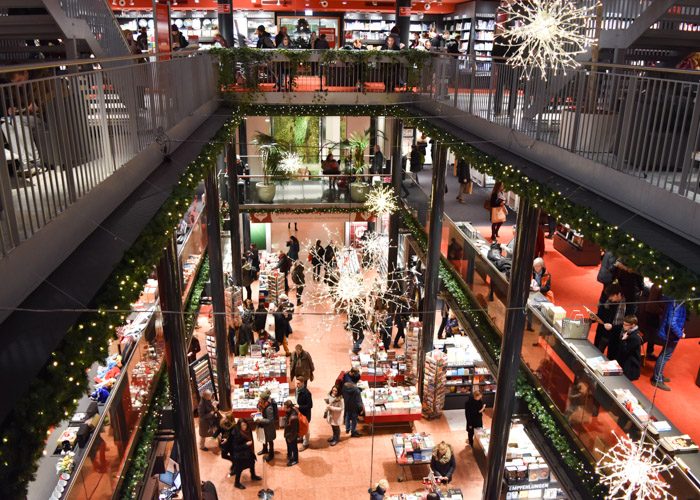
(299, 279)
(629, 352)
(305, 403)
(268, 422)
(282, 328)
(609, 318)
(329, 260)
(284, 265)
(352, 399)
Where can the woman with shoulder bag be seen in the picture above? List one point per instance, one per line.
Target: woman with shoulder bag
(498, 209)
(334, 413)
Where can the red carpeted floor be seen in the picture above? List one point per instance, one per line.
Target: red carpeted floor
(575, 286)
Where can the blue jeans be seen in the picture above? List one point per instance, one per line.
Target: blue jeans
(350, 422)
(661, 361)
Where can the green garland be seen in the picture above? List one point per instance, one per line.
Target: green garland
(299, 211)
(193, 303)
(546, 416)
(56, 390)
(138, 464)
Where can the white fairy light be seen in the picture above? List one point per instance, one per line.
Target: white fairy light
(632, 467)
(375, 248)
(381, 201)
(546, 34)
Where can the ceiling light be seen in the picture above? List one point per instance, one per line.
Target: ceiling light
(427, 6)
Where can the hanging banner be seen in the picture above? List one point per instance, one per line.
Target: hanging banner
(310, 217)
(161, 25)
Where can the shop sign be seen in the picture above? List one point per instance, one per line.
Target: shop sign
(404, 11)
(161, 14)
(224, 8)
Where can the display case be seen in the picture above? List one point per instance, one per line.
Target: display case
(572, 245)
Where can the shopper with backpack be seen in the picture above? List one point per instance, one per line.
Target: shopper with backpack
(306, 403)
(291, 433)
(268, 422)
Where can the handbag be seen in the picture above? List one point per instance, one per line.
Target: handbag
(498, 214)
(487, 204)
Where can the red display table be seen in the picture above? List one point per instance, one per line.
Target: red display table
(241, 380)
(392, 418)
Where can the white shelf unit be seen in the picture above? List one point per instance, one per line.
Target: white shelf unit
(482, 41)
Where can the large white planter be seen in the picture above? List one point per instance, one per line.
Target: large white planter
(266, 192)
(596, 132)
(359, 191)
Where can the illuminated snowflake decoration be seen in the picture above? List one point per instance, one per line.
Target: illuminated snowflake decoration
(632, 466)
(381, 201)
(290, 163)
(546, 34)
(375, 250)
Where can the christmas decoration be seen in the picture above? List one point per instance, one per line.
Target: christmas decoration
(381, 200)
(546, 35)
(631, 469)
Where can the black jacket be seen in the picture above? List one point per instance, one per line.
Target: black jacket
(284, 264)
(317, 255)
(291, 426)
(415, 161)
(282, 329)
(377, 166)
(298, 275)
(305, 402)
(352, 399)
(629, 355)
(265, 41)
(463, 173)
(259, 320)
(472, 412)
(329, 254)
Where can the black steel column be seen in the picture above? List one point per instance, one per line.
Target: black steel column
(170, 297)
(216, 275)
(234, 211)
(395, 218)
(432, 278)
(403, 20)
(520, 277)
(226, 21)
(245, 228)
(242, 141)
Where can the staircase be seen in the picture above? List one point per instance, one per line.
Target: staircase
(58, 29)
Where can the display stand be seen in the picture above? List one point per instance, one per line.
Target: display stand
(202, 377)
(271, 286)
(234, 301)
(381, 368)
(210, 341)
(413, 335)
(434, 382)
(390, 405)
(411, 450)
(525, 469)
(249, 369)
(466, 371)
(244, 401)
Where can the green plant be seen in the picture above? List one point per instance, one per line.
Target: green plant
(357, 143)
(271, 154)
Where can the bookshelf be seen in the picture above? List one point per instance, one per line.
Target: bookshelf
(434, 384)
(482, 41)
(462, 26)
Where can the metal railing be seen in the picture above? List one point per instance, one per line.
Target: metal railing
(641, 121)
(102, 23)
(64, 135)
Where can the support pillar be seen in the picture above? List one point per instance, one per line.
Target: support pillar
(396, 179)
(170, 297)
(432, 278)
(216, 275)
(511, 345)
(234, 211)
(242, 142)
(403, 20)
(226, 21)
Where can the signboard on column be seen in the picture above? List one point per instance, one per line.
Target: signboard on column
(161, 26)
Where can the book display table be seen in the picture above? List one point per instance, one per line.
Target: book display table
(411, 450)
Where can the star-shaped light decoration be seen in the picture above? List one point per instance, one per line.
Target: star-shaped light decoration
(632, 467)
(290, 163)
(381, 201)
(375, 250)
(546, 34)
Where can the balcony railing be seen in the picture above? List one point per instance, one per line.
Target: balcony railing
(65, 134)
(644, 122)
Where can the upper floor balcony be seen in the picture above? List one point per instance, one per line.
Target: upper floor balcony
(629, 134)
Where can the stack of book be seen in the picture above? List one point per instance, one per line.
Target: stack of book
(413, 335)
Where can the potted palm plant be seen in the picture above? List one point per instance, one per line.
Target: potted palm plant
(271, 156)
(358, 142)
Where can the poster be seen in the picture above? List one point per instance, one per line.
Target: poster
(161, 15)
(330, 35)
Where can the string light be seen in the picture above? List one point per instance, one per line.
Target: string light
(546, 34)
